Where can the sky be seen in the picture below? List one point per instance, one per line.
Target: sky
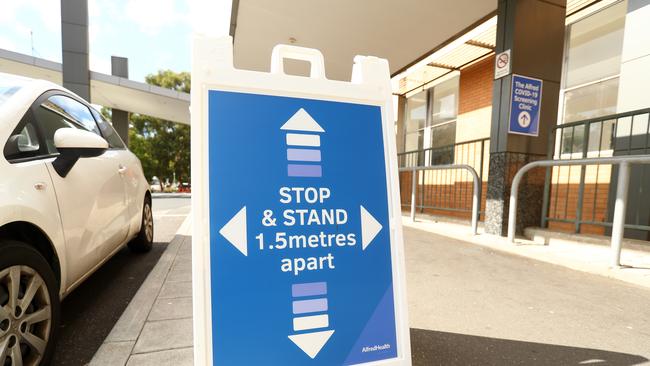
(152, 34)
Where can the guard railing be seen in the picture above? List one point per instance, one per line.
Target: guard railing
(620, 134)
(476, 193)
(618, 225)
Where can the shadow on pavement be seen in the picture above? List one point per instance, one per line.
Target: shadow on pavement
(440, 348)
(89, 312)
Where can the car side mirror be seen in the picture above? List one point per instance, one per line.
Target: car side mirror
(73, 144)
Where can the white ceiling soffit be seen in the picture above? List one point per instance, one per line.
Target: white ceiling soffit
(400, 31)
(106, 90)
(475, 44)
(471, 46)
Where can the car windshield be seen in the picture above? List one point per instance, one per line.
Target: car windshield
(6, 92)
(9, 85)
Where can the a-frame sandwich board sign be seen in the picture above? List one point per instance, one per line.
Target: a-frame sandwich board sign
(297, 237)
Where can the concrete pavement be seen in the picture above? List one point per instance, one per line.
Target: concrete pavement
(89, 313)
(579, 252)
(473, 305)
(156, 327)
(469, 305)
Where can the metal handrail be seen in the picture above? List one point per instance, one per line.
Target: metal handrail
(443, 147)
(476, 194)
(621, 193)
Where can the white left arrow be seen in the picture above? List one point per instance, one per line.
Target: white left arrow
(235, 231)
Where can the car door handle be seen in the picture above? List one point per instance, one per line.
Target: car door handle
(121, 169)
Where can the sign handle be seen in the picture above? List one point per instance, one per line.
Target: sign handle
(311, 55)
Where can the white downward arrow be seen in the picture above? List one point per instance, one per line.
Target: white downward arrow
(311, 343)
(235, 231)
(302, 121)
(370, 227)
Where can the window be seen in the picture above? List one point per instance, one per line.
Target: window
(591, 101)
(443, 135)
(592, 65)
(444, 110)
(415, 121)
(72, 110)
(6, 92)
(430, 124)
(23, 143)
(9, 85)
(444, 102)
(108, 132)
(49, 121)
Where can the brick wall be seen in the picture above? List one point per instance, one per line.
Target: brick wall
(475, 101)
(476, 86)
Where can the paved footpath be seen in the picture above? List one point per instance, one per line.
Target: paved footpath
(469, 304)
(156, 327)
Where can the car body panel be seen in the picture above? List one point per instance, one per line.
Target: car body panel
(93, 209)
(87, 216)
(21, 201)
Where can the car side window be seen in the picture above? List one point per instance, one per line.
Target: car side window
(72, 110)
(23, 143)
(50, 120)
(108, 132)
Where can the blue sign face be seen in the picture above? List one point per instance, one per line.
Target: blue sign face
(300, 251)
(525, 105)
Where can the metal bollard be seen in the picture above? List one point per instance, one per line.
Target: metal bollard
(476, 201)
(618, 226)
(413, 187)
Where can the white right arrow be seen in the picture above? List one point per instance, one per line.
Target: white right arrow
(311, 343)
(370, 227)
(235, 231)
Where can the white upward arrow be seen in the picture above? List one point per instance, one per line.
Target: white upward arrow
(311, 343)
(370, 227)
(302, 121)
(235, 231)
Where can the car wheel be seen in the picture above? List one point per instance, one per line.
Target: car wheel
(29, 306)
(144, 241)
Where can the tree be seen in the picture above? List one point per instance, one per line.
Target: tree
(162, 146)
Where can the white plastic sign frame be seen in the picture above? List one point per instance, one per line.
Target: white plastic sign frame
(212, 69)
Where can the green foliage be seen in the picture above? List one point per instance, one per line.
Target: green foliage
(162, 146)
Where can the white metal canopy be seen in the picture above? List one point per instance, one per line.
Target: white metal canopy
(400, 31)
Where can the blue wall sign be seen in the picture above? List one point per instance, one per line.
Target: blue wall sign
(300, 249)
(525, 105)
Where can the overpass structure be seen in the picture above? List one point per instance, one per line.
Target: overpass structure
(107, 90)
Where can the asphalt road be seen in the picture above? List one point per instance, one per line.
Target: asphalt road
(470, 305)
(89, 313)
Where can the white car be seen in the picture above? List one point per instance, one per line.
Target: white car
(155, 185)
(71, 196)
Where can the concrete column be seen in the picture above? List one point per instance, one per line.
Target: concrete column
(74, 42)
(120, 67)
(534, 32)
